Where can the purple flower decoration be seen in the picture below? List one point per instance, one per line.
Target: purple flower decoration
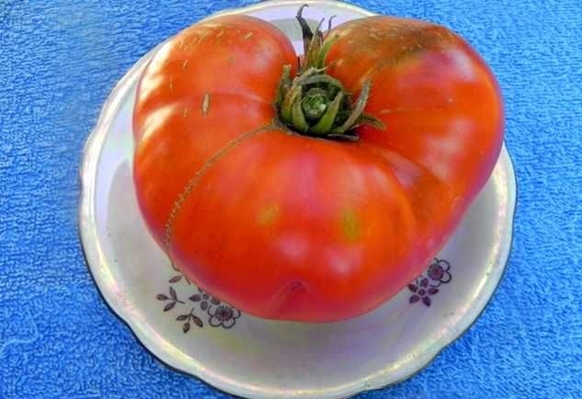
(438, 272)
(425, 286)
(204, 299)
(213, 310)
(422, 292)
(223, 315)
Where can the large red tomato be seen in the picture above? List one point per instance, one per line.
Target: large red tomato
(267, 186)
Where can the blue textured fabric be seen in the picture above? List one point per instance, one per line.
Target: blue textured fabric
(58, 62)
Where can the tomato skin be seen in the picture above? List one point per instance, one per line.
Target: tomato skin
(174, 136)
(442, 108)
(285, 226)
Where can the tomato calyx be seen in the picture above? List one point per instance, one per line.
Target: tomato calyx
(314, 103)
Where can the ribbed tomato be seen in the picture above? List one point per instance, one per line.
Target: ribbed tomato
(268, 186)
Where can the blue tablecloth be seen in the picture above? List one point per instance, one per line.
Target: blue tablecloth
(58, 62)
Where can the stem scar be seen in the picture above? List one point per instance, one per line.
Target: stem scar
(205, 104)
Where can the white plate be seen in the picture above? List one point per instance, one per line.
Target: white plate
(255, 358)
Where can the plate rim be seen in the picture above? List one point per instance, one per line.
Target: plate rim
(96, 260)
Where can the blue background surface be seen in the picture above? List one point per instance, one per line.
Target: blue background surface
(60, 59)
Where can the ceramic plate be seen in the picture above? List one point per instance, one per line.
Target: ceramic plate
(195, 333)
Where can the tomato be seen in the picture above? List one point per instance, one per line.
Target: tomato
(311, 193)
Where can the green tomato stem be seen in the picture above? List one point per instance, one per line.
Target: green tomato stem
(326, 122)
(314, 103)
